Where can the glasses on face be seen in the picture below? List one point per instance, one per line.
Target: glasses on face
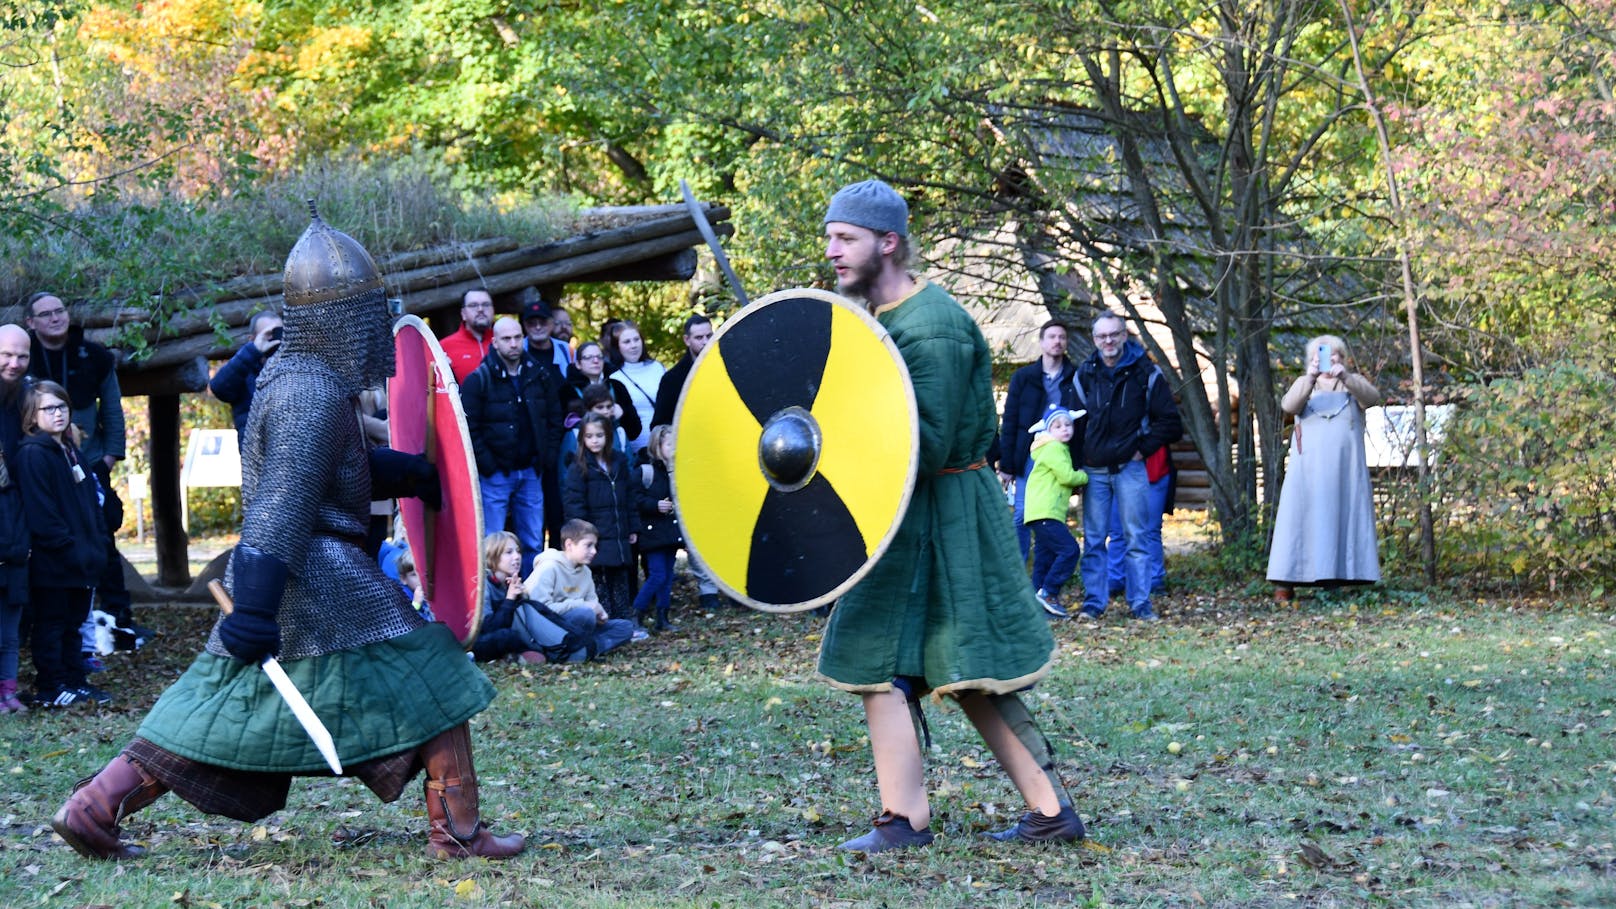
(51, 313)
(53, 408)
(1110, 336)
(593, 356)
(478, 305)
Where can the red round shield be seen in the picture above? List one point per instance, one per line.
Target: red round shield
(424, 416)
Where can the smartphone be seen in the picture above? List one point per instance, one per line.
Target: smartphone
(276, 333)
(1324, 358)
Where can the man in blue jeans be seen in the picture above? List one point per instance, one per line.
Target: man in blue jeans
(1129, 418)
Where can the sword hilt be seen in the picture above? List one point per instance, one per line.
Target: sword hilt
(221, 596)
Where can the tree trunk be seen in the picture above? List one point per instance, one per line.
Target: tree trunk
(168, 525)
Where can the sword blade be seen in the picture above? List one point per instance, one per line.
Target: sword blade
(306, 717)
(304, 713)
(706, 229)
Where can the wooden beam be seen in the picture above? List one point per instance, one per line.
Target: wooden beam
(168, 525)
(675, 266)
(189, 376)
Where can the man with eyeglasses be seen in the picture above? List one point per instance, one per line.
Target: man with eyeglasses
(467, 347)
(1131, 414)
(60, 353)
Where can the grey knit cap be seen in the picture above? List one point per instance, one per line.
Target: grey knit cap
(870, 204)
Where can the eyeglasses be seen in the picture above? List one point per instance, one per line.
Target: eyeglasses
(589, 357)
(51, 313)
(1110, 336)
(53, 408)
(478, 305)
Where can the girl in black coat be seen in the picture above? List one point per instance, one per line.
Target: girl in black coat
(659, 536)
(68, 545)
(598, 488)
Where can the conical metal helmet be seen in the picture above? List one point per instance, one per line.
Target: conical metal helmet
(327, 265)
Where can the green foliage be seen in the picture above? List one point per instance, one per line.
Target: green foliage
(1528, 479)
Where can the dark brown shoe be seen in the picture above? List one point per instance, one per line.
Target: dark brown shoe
(1037, 827)
(89, 820)
(451, 802)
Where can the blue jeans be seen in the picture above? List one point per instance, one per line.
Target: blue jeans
(658, 581)
(1153, 541)
(1130, 489)
(608, 635)
(1054, 556)
(519, 493)
(1018, 513)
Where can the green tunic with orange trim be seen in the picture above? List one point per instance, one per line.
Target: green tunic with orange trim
(949, 601)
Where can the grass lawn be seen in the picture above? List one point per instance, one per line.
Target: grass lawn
(1374, 747)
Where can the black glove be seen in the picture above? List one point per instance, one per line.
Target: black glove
(395, 474)
(250, 631)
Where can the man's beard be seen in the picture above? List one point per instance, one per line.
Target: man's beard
(863, 278)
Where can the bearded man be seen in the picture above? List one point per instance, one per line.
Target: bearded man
(947, 610)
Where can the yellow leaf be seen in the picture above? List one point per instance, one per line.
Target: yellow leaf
(466, 888)
(970, 762)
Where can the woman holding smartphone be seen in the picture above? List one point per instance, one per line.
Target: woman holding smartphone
(1324, 529)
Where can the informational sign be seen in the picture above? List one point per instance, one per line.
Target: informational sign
(212, 458)
(1389, 439)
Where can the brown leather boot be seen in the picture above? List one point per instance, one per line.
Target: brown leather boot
(89, 820)
(451, 802)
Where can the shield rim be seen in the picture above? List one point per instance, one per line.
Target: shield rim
(913, 409)
(439, 361)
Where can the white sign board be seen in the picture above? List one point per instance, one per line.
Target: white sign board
(1389, 434)
(211, 459)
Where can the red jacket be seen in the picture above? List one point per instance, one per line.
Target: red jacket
(465, 352)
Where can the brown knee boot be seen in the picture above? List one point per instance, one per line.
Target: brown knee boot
(451, 802)
(89, 820)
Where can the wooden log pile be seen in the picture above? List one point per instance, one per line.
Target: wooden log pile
(629, 243)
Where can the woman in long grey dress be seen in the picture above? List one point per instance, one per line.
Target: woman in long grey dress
(1324, 530)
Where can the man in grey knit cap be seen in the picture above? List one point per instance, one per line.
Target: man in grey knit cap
(947, 610)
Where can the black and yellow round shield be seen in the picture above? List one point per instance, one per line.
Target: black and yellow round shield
(795, 445)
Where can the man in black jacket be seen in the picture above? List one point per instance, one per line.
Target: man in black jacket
(1131, 414)
(513, 411)
(1033, 389)
(698, 331)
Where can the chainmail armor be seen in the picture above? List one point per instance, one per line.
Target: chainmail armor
(305, 472)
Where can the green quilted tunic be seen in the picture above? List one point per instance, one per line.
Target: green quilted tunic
(226, 713)
(949, 601)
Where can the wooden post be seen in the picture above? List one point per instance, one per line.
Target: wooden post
(168, 525)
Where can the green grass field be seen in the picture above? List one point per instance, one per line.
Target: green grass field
(1372, 748)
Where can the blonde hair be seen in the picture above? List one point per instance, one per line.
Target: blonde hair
(658, 434)
(494, 546)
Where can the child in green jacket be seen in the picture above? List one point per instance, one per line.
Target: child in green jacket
(1049, 493)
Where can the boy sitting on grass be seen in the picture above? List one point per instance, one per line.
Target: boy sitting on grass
(562, 581)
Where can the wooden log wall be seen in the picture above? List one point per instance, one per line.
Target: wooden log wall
(639, 243)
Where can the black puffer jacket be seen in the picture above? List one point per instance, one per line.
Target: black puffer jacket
(498, 410)
(657, 530)
(65, 525)
(608, 501)
(13, 541)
